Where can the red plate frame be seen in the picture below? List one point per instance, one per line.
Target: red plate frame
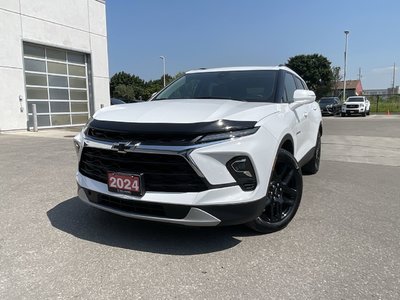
(124, 183)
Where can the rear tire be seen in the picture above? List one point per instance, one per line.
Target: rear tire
(312, 166)
(283, 195)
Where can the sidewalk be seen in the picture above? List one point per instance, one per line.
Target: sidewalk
(57, 133)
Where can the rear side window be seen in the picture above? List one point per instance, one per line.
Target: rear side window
(290, 87)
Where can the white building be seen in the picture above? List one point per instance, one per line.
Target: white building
(53, 53)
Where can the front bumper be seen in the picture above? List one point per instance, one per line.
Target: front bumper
(355, 110)
(207, 215)
(225, 202)
(327, 110)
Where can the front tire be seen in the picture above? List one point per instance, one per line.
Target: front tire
(342, 114)
(283, 195)
(312, 167)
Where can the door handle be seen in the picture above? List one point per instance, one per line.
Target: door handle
(314, 108)
(305, 115)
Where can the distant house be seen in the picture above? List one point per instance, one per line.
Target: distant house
(353, 88)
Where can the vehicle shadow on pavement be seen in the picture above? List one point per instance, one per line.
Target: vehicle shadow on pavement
(78, 219)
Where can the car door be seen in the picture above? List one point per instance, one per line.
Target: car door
(301, 114)
(312, 118)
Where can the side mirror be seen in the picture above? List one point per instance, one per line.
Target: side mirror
(304, 96)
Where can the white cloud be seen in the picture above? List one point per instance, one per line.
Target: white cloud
(384, 70)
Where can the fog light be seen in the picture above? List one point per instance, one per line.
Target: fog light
(242, 171)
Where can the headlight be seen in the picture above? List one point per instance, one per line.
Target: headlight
(362, 105)
(227, 135)
(78, 142)
(329, 106)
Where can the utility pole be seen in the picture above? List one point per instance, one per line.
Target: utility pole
(163, 59)
(346, 32)
(359, 74)
(394, 78)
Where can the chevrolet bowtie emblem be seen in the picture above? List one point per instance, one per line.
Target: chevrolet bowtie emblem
(123, 147)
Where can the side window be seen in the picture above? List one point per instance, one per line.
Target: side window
(299, 83)
(290, 87)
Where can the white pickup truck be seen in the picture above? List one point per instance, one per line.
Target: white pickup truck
(356, 105)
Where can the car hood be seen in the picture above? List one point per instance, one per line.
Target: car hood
(186, 111)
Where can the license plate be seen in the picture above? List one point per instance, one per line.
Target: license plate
(125, 183)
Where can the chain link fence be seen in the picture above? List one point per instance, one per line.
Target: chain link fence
(384, 103)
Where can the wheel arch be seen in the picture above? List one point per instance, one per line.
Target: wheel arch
(287, 143)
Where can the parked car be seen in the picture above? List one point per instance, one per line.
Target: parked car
(216, 147)
(330, 106)
(115, 101)
(356, 105)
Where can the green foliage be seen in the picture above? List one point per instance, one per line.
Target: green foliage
(385, 103)
(124, 92)
(131, 88)
(316, 71)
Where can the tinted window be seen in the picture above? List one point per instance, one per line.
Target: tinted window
(290, 86)
(253, 86)
(299, 84)
(355, 99)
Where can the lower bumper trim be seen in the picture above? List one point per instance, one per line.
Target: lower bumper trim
(205, 215)
(195, 216)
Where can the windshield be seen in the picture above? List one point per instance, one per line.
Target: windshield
(253, 86)
(355, 99)
(327, 101)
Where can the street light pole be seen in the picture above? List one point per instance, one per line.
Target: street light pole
(163, 59)
(346, 32)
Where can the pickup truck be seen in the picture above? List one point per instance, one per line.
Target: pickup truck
(356, 105)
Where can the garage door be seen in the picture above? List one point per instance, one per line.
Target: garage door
(57, 82)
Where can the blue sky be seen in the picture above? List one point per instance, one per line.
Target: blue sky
(216, 33)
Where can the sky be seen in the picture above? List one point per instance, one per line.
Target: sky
(217, 33)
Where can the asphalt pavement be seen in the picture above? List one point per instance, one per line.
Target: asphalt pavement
(344, 242)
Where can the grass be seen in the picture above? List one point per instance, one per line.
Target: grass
(385, 104)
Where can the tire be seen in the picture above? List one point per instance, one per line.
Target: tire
(363, 114)
(312, 167)
(368, 112)
(283, 195)
(342, 114)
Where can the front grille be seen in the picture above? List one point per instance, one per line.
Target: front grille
(161, 172)
(148, 139)
(139, 207)
(352, 105)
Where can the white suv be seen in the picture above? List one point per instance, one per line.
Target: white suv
(356, 105)
(216, 147)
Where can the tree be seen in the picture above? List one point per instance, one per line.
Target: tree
(126, 86)
(124, 92)
(336, 79)
(120, 78)
(316, 71)
(130, 87)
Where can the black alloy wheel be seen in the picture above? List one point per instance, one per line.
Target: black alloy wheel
(283, 195)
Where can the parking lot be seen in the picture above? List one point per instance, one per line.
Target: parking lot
(344, 242)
